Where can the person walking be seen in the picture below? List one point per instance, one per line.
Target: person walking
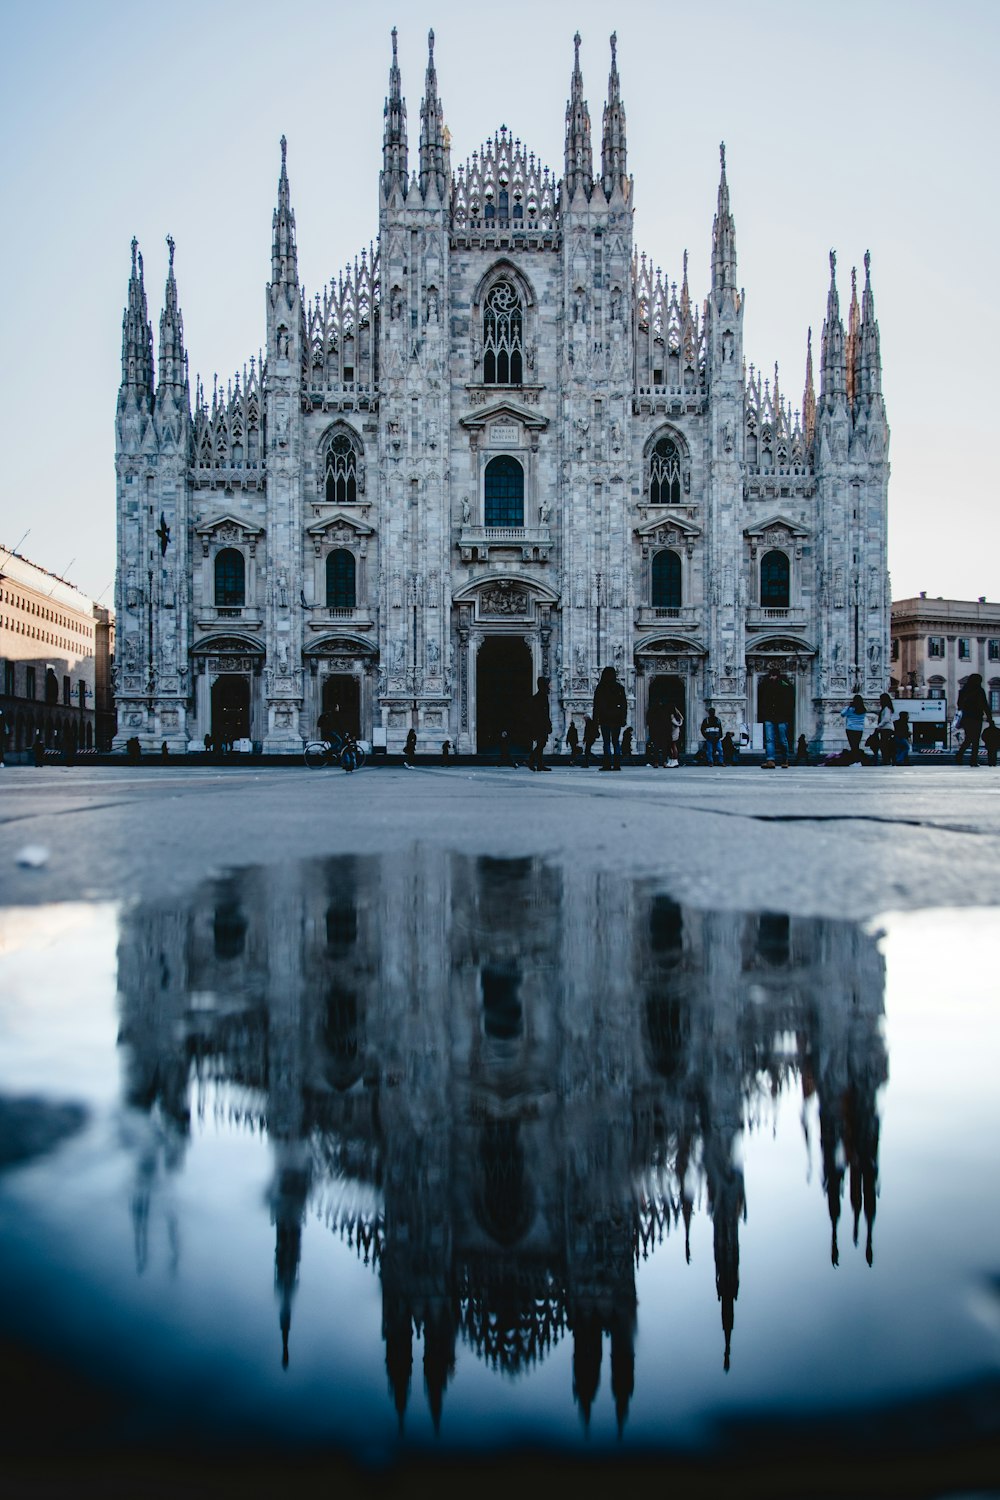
(854, 716)
(775, 699)
(885, 730)
(657, 733)
(610, 714)
(711, 733)
(539, 725)
(901, 740)
(589, 738)
(974, 706)
(573, 742)
(410, 749)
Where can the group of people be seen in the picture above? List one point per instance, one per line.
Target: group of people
(891, 739)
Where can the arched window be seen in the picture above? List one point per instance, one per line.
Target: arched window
(774, 580)
(504, 494)
(503, 346)
(666, 580)
(341, 471)
(230, 579)
(341, 579)
(665, 474)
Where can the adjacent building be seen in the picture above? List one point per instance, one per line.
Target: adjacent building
(56, 646)
(938, 643)
(502, 443)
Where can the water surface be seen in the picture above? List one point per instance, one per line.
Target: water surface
(432, 1152)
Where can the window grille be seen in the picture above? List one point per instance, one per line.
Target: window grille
(504, 492)
(230, 579)
(341, 472)
(341, 579)
(503, 345)
(665, 474)
(775, 592)
(666, 581)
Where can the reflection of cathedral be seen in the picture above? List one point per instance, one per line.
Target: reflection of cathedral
(502, 443)
(529, 1075)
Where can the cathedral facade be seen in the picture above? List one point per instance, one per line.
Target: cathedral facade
(499, 445)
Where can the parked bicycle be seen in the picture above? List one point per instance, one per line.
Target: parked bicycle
(342, 750)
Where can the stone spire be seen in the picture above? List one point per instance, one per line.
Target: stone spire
(284, 258)
(869, 348)
(809, 394)
(137, 341)
(723, 236)
(172, 365)
(434, 166)
(614, 172)
(833, 368)
(579, 163)
(395, 171)
(853, 351)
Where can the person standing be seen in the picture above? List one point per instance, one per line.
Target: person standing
(410, 749)
(901, 740)
(854, 716)
(775, 699)
(676, 730)
(540, 726)
(974, 706)
(711, 733)
(885, 731)
(627, 743)
(610, 714)
(573, 742)
(657, 733)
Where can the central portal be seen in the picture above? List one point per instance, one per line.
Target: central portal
(503, 691)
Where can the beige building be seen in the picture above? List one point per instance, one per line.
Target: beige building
(55, 647)
(937, 643)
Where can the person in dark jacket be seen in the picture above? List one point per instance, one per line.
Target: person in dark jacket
(540, 726)
(573, 742)
(610, 713)
(657, 733)
(589, 738)
(711, 733)
(974, 706)
(410, 748)
(775, 700)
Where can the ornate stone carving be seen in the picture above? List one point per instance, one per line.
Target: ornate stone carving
(503, 600)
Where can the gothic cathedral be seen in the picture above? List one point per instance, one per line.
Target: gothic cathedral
(500, 445)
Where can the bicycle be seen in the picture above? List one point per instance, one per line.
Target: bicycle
(341, 750)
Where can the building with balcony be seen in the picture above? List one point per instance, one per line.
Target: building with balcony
(502, 443)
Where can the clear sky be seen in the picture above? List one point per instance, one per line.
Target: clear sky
(869, 124)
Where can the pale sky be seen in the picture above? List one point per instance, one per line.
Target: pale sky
(869, 124)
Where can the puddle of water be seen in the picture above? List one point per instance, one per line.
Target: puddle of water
(384, 1154)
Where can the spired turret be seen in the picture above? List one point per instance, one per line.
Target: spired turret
(614, 154)
(435, 167)
(833, 359)
(395, 171)
(578, 173)
(135, 394)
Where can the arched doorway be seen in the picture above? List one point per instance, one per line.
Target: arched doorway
(342, 701)
(669, 689)
(503, 691)
(230, 708)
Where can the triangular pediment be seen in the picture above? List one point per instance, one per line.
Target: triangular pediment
(340, 521)
(504, 411)
(228, 522)
(775, 523)
(686, 530)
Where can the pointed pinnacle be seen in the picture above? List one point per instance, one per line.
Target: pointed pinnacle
(722, 154)
(394, 44)
(170, 248)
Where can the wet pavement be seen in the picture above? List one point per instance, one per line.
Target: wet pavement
(430, 1123)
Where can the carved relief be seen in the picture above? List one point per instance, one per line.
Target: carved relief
(503, 599)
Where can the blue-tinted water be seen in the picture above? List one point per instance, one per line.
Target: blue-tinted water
(381, 1154)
